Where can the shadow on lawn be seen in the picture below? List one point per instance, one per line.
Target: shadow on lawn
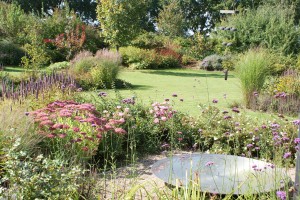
(10, 69)
(137, 87)
(182, 74)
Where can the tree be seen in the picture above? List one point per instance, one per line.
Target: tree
(200, 16)
(85, 8)
(121, 21)
(170, 21)
(270, 26)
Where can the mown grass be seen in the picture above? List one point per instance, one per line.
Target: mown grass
(195, 87)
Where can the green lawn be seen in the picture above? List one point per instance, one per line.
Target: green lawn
(193, 86)
(14, 70)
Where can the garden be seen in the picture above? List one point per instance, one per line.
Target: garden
(96, 96)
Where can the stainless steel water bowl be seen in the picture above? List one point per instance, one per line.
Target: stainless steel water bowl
(221, 174)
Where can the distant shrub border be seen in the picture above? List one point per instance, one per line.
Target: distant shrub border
(10, 54)
(160, 58)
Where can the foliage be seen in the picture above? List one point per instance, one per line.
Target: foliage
(148, 40)
(10, 54)
(272, 27)
(100, 71)
(36, 56)
(85, 8)
(39, 177)
(162, 58)
(197, 14)
(13, 21)
(252, 69)
(217, 62)
(93, 40)
(71, 42)
(120, 21)
(212, 62)
(59, 65)
(170, 21)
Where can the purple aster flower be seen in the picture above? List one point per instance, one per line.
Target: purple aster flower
(235, 109)
(249, 146)
(215, 101)
(225, 112)
(26, 113)
(209, 163)
(275, 126)
(102, 94)
(255, 94)
(296, 122)
(263, 126)
(285, 139)
(181, 99)
(281, 195)
(174, 95)
(166, 99)
(227, 117)
(287, 155)
(297, 140)
(236, 123)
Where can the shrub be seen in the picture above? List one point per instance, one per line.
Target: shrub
(137, 58)
(271, 27)
(252, 70)
(186, 60)
(106, 55)
(59, 65)
(99, 71)
(39, 177)
(104, 74)
(148, 40)
(81, 55)
(78, 131)
(10, 54)
(212, 62)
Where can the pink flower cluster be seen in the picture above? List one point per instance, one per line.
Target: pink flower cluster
(162, 112)
(78, 124)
